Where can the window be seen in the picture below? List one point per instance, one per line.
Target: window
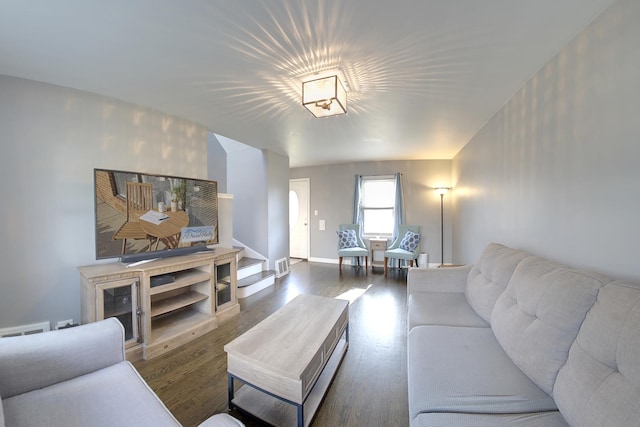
(378, 201)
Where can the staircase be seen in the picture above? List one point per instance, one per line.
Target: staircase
(251, 275)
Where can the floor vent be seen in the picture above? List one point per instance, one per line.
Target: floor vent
(282, 267)
(34, 328)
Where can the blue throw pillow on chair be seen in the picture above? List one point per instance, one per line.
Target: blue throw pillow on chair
(347, 239)
(410, 241)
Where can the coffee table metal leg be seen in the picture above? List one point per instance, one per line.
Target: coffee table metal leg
(300, 415)
(230, 390)
(230, 387)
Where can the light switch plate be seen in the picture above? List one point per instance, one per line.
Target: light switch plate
(322, 225)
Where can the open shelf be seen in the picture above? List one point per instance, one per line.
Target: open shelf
(279, 413)
(168, 326)
(183, 278)
(174, 303)
(176, 328)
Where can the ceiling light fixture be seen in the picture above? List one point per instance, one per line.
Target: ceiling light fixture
(325, 96)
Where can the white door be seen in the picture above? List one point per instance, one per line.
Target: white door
(299, 218)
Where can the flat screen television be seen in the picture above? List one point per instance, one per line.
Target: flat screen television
(142, 216)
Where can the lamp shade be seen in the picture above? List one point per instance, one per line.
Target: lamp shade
(441, 190)
(324, 97)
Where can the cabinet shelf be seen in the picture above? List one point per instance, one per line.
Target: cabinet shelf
(176, 302)
(174, 329)
(186, 278)
(166, 327)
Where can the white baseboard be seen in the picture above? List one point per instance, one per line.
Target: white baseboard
(324, 260)
(345, 261)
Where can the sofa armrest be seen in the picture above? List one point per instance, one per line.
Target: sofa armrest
(36, 361)
(450, 279)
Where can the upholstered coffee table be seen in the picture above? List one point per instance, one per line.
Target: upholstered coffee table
(288, 360)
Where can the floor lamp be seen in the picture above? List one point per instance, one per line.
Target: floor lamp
(442, 191)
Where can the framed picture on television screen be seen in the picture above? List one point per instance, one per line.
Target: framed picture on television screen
(145, 215)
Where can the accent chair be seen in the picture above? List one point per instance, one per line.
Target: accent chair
(405, 247)
(350, 244)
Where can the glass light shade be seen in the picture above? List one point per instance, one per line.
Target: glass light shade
(324, 96)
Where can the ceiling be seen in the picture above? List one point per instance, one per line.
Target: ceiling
(423, 76)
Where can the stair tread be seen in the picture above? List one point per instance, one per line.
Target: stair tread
(249, 280)
(248, 262)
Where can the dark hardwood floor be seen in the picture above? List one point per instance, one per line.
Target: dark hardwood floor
(370, 387)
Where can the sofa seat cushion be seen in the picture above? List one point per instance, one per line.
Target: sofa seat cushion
(447, 419)
(115, 395)
(490, 276)
(441, 308)
(600, 383)
(460, 369)
(538, 316)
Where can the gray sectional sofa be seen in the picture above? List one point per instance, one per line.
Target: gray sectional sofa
(79, 377)
(517, 340)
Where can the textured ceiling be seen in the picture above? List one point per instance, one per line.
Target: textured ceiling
(423, 76)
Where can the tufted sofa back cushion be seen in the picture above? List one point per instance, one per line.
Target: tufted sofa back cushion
(600, 383)
(489, 277)
(538, 316)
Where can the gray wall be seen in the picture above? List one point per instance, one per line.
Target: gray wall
(278, 206)
(52, 138)
(332, 186)
(216, 162)
(259, 182)
(247, 181)
(556, 170)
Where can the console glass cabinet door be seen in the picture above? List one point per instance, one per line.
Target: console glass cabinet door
(225, 288)
(119, 299)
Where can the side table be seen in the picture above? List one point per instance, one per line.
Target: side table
(377, 244)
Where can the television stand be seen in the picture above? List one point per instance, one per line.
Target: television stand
(160, 314)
